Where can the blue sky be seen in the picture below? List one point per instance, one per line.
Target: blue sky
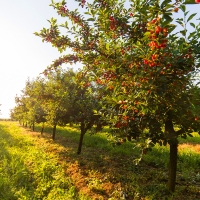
(22, 54)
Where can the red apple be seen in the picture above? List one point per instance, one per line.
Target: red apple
(197, 1)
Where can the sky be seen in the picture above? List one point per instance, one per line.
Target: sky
(22, 54)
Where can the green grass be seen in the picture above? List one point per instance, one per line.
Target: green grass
(157, 160)
(194, 139)
(42, 169)
(99, 140)
(27, 171)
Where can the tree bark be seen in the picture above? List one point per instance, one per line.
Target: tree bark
(83, 131)
(173, 166)
(42, 130)
(33, 128)
(54, 132)
(84, 128)
(80, 143)
(171, 136)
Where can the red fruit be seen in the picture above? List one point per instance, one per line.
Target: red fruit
(131, 14)
(197, 1)
(153, 21)
(165, 30)
(146, 62)
(176, 9)
(158, 29)
(152, 64)
(154, 56)
(163, 45)
(111, 18)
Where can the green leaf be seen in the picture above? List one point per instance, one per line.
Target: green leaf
(191, 16)
(167, 17)
(183, 32)
(165, 23)
(191, 35)
(184, 136)
(182, 7)
(186, 13)
(36, 33)
(165, 142)
(91, 19)
(189, 134)
(180, 21)
(193, 25)
(171, 28)
(189, 2)
(164, 3)
(107, 46)
(95, 111)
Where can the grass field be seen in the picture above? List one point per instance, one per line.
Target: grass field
(35, 167)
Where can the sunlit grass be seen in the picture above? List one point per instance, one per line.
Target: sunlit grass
(100, 166)
(27, 171)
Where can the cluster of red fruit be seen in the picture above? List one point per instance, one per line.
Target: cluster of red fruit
(120, 124)
(66, 59)
(157, 34)
(76, 19)
(61, 43)
(117, 24)
(63, 9)
(109, 75)
(157, 37)
(86, 85)
(50, 36)
(113, 23)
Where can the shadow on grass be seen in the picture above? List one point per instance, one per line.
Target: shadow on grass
(109, 172)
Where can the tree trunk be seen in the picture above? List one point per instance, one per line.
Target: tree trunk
(33, 127)
(83, 131)
(173, 166)
(54, 132)
(80, 143)
(42, 130)
(171, 136)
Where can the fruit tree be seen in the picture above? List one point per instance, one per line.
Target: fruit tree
(138, 51)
